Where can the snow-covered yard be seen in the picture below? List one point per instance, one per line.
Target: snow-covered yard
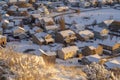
(24, 46)
(89, 17)
(31, 48)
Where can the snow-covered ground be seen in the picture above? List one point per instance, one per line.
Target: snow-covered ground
(23, 46)
(99, 15)
(32, 48)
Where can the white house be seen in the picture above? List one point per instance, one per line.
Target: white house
(42, 38)
(85, 35)
(68, 52)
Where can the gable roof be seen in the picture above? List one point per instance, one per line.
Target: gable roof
(49, 53)
(113, 63)
(93, 58)
(69, 49)
(41, 34)
(66, 33)
(36, 15)
(110, 42)
(86, 33)
(108, 22)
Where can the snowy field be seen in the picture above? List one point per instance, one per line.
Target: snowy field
(31, 48)
(99, 15)
(23, 46)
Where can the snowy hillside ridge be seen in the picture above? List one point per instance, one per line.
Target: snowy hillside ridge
(31, 67)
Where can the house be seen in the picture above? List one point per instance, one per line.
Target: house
(19, 32)
(22, 9)
(100, 33)
(49, 0)
(90, 59)
(110, 45)
(1, 31)
(85, 4)
(37, 29)
(112, 25)
(3, 40)
(67, 52)
(49, 57)
(73, 3)
(10, 25)
(61, 8)
(91, 50)
(47, 23)
(65, 36)
(14, 1)
(85, 35)
(42, 38)
(113, 63)
(11, 1)
(13, 8)
(77, 27)
(17, 22)
(34, 17)
(115, 26)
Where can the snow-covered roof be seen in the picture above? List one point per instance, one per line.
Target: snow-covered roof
(108, 22)
(41, 9)
(69, 49)
(7, 15)
(51, 27)
(18, 28)
(47, 19)
(36, 15)
(22, 9)
(113, 63)
(77, 27)
(66, 33)
(6, 21)
(11, 24)
(13, 8)
(74, 1)
(1, 36)
(50, 53)
(86, 33)
(92, 47)
(97, 28)
(110, 41)
(26, 27)
(94, 58)
(41, 34)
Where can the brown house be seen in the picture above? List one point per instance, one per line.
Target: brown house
(47, 23)
(111, 24)
(65, 36)
(48, 57)
(111, 46)
(3, 40)
(114, 26)
(85, 35)
(67, 52)
(91, 50)
(42, 38)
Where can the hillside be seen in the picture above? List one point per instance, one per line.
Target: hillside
(18, 66)
(31, 67)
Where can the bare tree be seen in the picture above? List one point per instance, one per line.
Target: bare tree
(62, 23)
